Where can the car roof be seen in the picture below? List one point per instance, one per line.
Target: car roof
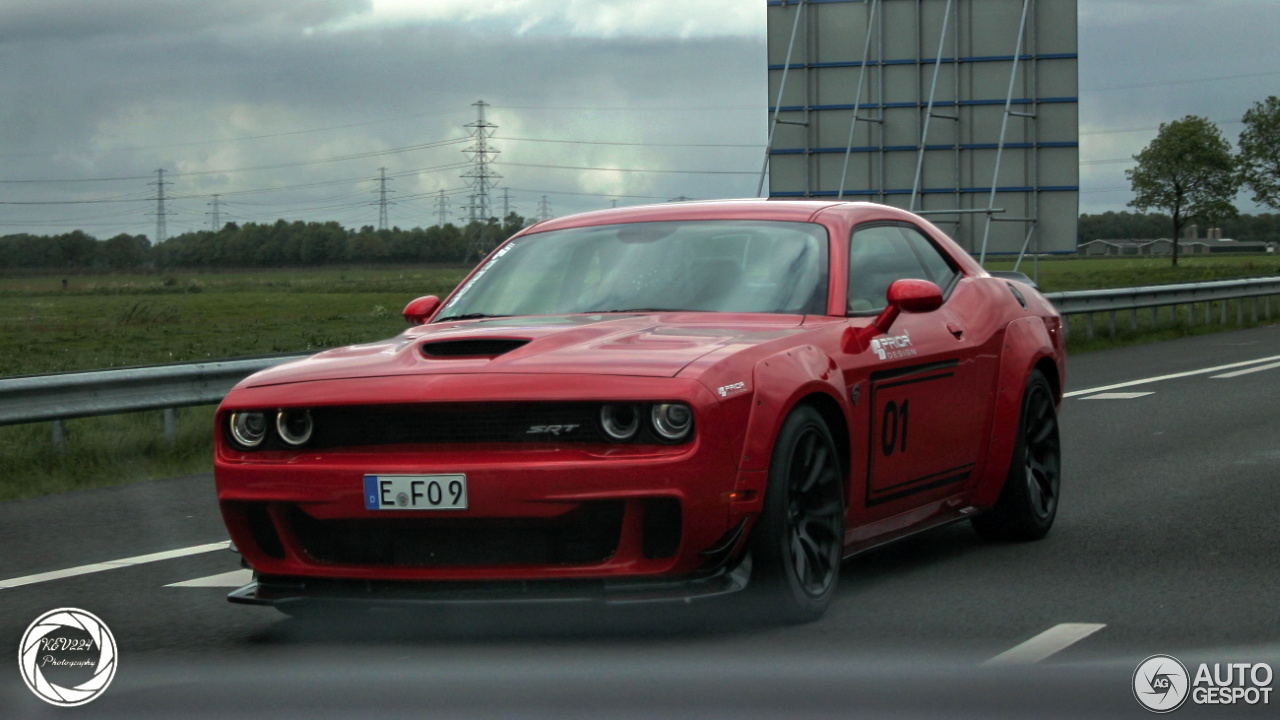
(753, 209)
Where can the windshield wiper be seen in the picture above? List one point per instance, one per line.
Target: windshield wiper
(469, 316)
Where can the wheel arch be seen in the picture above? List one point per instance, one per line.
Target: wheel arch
(783, 382)
(838, 425)
(1027, 347)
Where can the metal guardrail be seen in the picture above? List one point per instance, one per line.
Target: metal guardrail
(1211, 294)
(65, 396)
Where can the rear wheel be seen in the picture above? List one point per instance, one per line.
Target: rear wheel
(1029, 501)
(798, 541)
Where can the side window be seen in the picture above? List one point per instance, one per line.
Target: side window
(878, 255)
(937, 268)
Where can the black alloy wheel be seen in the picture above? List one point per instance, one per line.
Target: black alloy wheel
(1028, 503)
(799, 539)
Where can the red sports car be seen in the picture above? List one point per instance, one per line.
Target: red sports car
(654, 403)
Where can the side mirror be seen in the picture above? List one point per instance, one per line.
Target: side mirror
(419, 311)
(906, 295)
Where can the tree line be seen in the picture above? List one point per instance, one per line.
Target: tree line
(254, 245)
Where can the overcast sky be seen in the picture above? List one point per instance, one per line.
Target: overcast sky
(289, 108)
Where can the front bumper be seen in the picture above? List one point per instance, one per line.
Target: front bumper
(536, 511)
(291, 593)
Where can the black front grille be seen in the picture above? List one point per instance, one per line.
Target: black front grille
(456, 423)
(586, 535)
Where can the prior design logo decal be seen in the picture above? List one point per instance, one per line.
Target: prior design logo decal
(893, 347)
(733, 389)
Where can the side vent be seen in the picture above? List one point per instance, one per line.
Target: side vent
(486, 347)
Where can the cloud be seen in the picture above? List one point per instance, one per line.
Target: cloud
(42, 21)
(575, 18)
(205, 99)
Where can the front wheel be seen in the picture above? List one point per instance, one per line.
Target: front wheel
(798, 541)
(1029, 501)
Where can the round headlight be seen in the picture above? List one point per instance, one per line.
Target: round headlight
(672, 421)
(248, 429)
(294, 426)
(620, 422)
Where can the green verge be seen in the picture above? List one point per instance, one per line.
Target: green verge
(102, 321)
(102, 451)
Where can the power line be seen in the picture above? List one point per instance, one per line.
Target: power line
(630, 170)
(582, 194)
(756, 146)
(1188, 81)
(276, 166)
(286, 133)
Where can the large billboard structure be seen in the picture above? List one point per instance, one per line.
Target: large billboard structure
(965, 111)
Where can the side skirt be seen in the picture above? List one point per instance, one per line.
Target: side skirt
(935, 521)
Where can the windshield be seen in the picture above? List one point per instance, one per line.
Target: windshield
(718, 266)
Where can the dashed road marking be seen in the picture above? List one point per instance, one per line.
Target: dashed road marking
(111, 565)
(1246, 371)
(1053, 640)
(1118, 395)
(1174, 376)
(233, 579)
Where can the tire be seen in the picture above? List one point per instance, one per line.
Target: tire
(798, 541)
(1029, 501)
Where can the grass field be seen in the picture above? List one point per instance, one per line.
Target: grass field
(122, 320)
(117, 320)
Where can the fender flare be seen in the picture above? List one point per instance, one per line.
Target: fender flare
(781, 382)
(1027, 345)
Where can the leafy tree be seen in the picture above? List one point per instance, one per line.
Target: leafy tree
(1260, 151)
(1188, 169)
(126, 252)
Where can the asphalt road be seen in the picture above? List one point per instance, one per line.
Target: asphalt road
(1168, 538)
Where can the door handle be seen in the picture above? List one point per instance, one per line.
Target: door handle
(955, 330)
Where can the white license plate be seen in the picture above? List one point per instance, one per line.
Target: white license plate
(415, 492)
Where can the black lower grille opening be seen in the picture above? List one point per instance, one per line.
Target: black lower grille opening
(264, 531)
(662, 522)
(586, 535)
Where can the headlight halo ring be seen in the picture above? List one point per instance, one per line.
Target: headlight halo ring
(671, 421)
(248, 429)
(616, 425)
(294, 426)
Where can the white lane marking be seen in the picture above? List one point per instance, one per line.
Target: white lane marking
(1174, 376)
(1053, 640)
(1246, 371)
(1118, 396)
(233, 579)
(111, 565)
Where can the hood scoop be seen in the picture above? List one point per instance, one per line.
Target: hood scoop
(471, 347)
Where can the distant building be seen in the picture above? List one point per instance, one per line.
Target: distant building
(1190, 244)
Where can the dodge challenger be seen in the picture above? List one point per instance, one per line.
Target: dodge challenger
(654, 404)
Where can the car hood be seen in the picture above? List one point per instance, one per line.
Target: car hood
(647, 345)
